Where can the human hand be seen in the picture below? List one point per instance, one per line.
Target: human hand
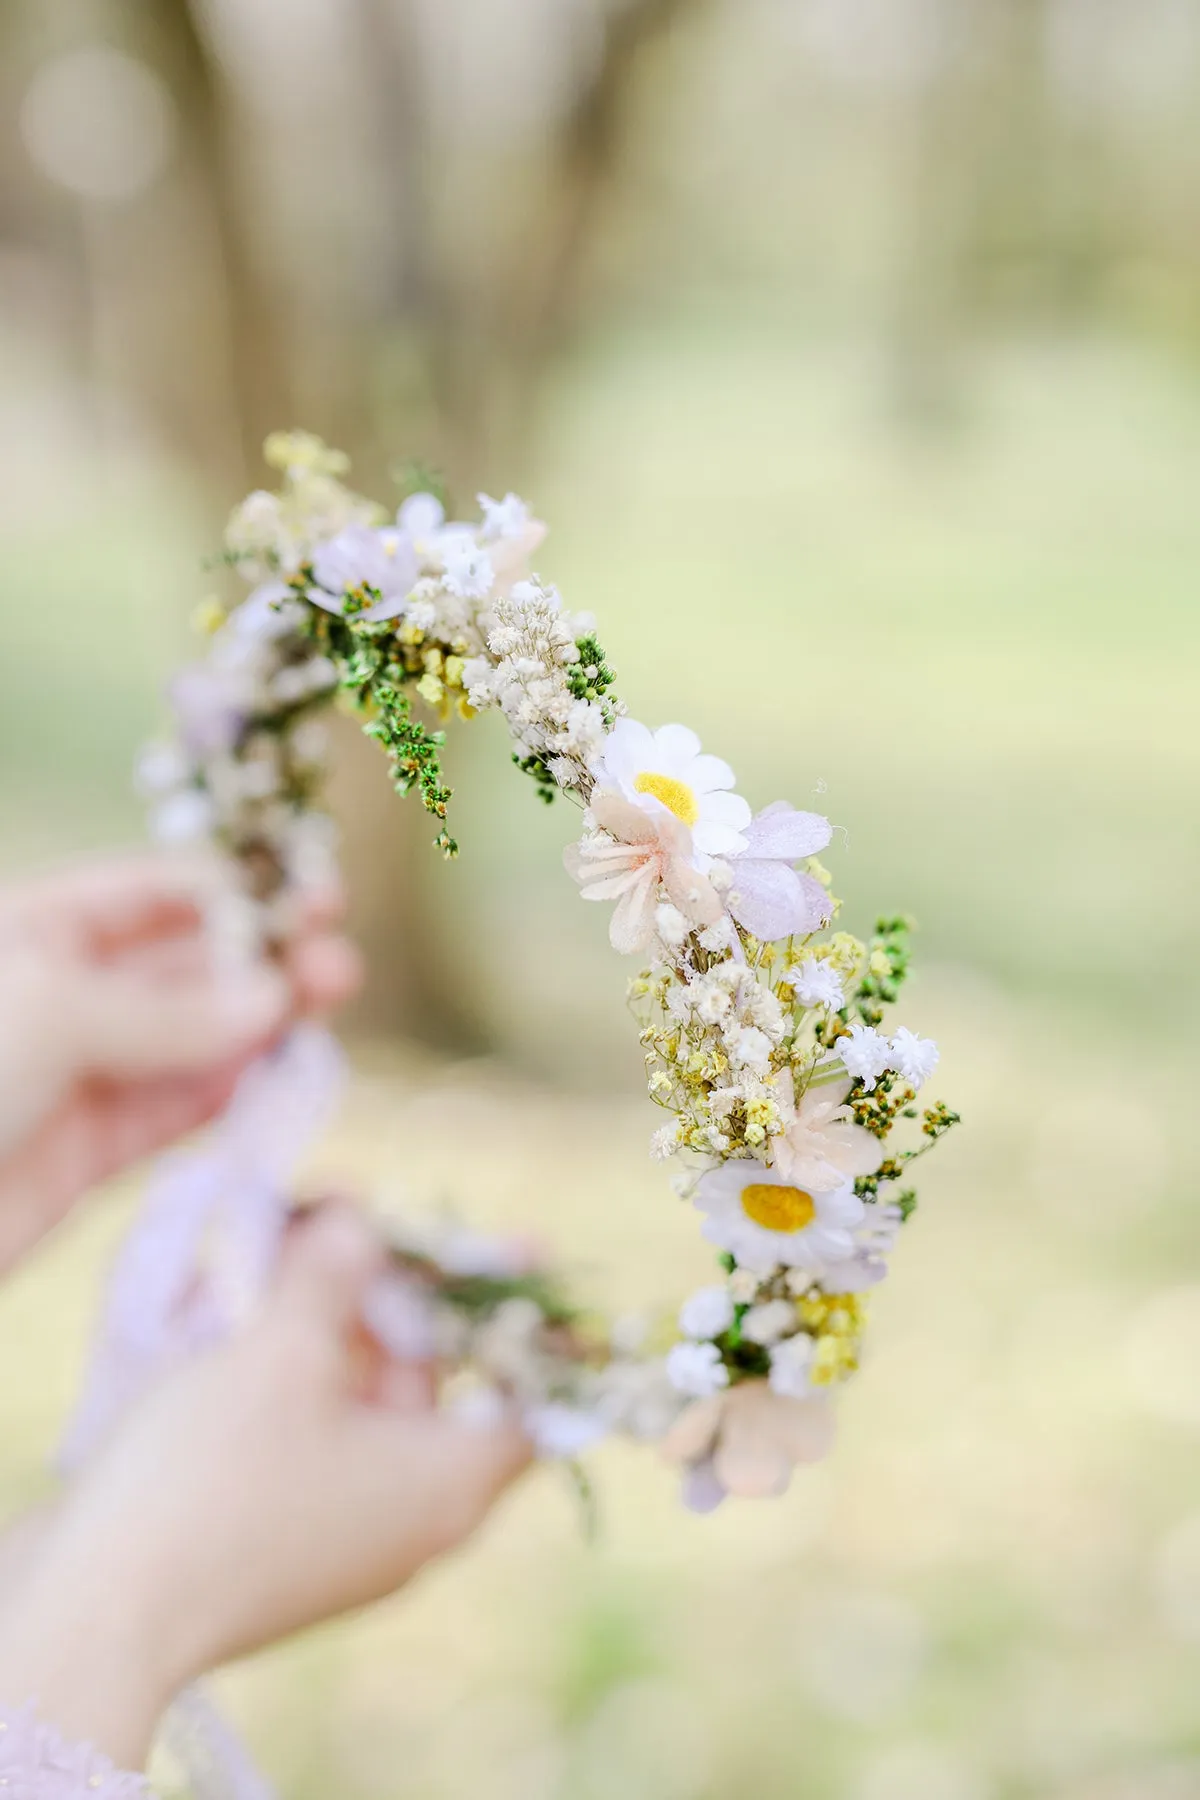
(290, 1474)
(117, 1034)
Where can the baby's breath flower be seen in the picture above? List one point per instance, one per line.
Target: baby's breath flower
(707, 1313)
(915, 1058)
(696, 1369)
(815, 983)
(865, 1054)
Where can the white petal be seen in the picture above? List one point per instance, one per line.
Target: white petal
(676, 742)
(628, 748)
(712, 838)
(707, 774)
(726, 809)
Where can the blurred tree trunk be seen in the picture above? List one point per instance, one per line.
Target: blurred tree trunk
(207, 357)
(484, 367)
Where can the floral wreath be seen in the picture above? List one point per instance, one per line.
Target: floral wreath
(760, 1026)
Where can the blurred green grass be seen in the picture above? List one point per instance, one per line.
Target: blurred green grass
(976, 652)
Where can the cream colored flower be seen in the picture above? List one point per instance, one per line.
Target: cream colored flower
(633, 857)
(820, 1146)
(751, 1438)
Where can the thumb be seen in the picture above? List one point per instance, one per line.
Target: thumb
(329, 1262)
(129, 1025)
(466, 1465)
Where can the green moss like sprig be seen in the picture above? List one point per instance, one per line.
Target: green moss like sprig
(372, 673)
(886, 969)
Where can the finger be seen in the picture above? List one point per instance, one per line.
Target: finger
(100, 1130)
(405, 1387)
(472, 1463)
(329, 1262)
(118, 900)
(325, 971)
(121, 1023)
(315, 908)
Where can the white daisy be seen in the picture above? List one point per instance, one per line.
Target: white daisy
(766, 1222)
(913, 1057)
(696, 1369)
(665, 771)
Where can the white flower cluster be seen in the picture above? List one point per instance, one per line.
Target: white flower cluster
(532, 654)
(866, 1054)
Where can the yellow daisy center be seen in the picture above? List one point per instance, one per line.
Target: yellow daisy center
(778, 1208)
(676, 796)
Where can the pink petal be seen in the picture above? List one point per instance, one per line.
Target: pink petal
(614, 814)
(691, 892)
(806, 1427)
(692, 1434)
(854, 1150)
(752, 1458)
(781, 831)
(632, 924)
(611, 887)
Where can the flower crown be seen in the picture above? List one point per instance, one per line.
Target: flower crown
(760, 1026)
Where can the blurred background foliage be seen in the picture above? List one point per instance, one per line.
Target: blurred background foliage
(851, 349)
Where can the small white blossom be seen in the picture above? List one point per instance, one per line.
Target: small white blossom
(913, 1057)
(749, 1047)
(563, 1432)
(707, 1313)
(422, 616)
(664, 1143)
(718, 937)
(421, 515)
(503, 518)
(766, 1324)
(670, 924)
(696, 1369)
(710, 997)
(791, 1363)
(468, 572)
(183, 819)
(743, 1285)
(159, 768)
(816, 983)
(865, 1054)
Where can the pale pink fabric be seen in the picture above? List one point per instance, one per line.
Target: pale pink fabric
(38, 1763)
(196, 1261)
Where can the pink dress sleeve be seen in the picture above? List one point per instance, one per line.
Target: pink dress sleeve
(37, 1763)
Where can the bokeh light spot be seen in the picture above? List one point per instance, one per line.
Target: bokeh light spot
(99, 123)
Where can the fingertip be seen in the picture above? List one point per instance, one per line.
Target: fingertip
(325, 971)
(329, 1261)
(254, 1003)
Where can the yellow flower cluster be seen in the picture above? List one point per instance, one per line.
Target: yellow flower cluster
(837, 1323)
